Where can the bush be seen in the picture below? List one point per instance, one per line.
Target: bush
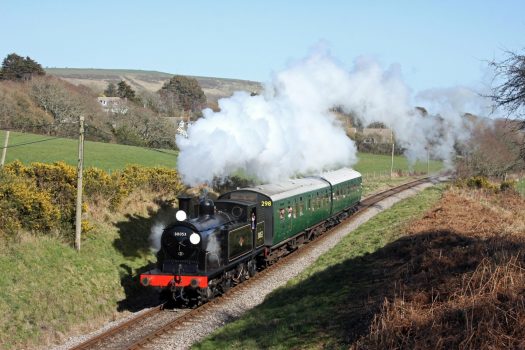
(60, 180)
(24, 206)
(42, 197)
(156, 179)
(100, 186)
(508, 185)
(481, 182)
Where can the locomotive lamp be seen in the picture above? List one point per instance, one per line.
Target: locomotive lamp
(195, 238)
(181, 215)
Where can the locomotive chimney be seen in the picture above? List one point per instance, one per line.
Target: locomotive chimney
(206, 207)
(185, 204)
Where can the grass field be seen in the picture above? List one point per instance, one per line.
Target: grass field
(379, 165)
(111, 156)
(308, 313)
(39, 148)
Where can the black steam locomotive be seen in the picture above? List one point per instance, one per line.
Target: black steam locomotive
(224, 242)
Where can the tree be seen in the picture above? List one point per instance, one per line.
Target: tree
(65, 103)
(19, 112)
(186, 91)
(16, 67)
(111, 90)
(509, 95)
(125, 91)
(141, 127)
(492, 150)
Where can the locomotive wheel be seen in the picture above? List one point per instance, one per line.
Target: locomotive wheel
(226, 282)
(206, 294)
(241, 273)
(252, 268)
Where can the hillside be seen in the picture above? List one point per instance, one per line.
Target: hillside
(98, 79)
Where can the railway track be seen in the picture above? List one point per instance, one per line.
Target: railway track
(116, 338)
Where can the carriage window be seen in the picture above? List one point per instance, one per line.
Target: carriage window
(281, 213)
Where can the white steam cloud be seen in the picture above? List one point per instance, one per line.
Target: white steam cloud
(155, 235)
(289, 128)
(285, 131)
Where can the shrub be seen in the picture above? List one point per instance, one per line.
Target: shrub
(27, 207)
(99, 185)
(9, 223)
(60, 180)
(156, 179)
(507, 185)
(481, 182)
(42, 197)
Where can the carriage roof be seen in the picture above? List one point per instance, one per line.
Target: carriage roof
(293, 187)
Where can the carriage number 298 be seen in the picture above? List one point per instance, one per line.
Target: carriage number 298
(266, 203)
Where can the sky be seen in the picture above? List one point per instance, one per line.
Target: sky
(436, 44)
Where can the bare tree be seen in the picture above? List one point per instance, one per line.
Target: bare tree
(509, 93)
(493, 150)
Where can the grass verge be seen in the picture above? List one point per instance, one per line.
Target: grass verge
(314, 310)
(49, 291)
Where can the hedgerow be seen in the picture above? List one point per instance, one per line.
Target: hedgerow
(24, 206)
(41, 197)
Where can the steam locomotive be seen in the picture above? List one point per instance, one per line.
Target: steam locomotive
(216, 245)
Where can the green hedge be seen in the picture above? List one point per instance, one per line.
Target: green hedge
(41, 197)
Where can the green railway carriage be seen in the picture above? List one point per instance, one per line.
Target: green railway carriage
(285, 209)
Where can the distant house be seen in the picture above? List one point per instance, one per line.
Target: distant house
(373, 135)
(113, 104)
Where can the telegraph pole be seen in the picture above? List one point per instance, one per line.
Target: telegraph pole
(78, 219)
(428, 160)
(4, 151)
(392, 164)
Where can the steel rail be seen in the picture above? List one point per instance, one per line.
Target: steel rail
(92, 342)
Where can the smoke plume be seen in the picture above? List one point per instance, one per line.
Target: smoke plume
(155, 235)
(289, 129)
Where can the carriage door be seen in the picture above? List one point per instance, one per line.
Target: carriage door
(257, 227)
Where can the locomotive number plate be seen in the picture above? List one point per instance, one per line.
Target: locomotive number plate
(266, 203)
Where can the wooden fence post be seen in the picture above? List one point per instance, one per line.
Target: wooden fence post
(4, 151)
(78, 218)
